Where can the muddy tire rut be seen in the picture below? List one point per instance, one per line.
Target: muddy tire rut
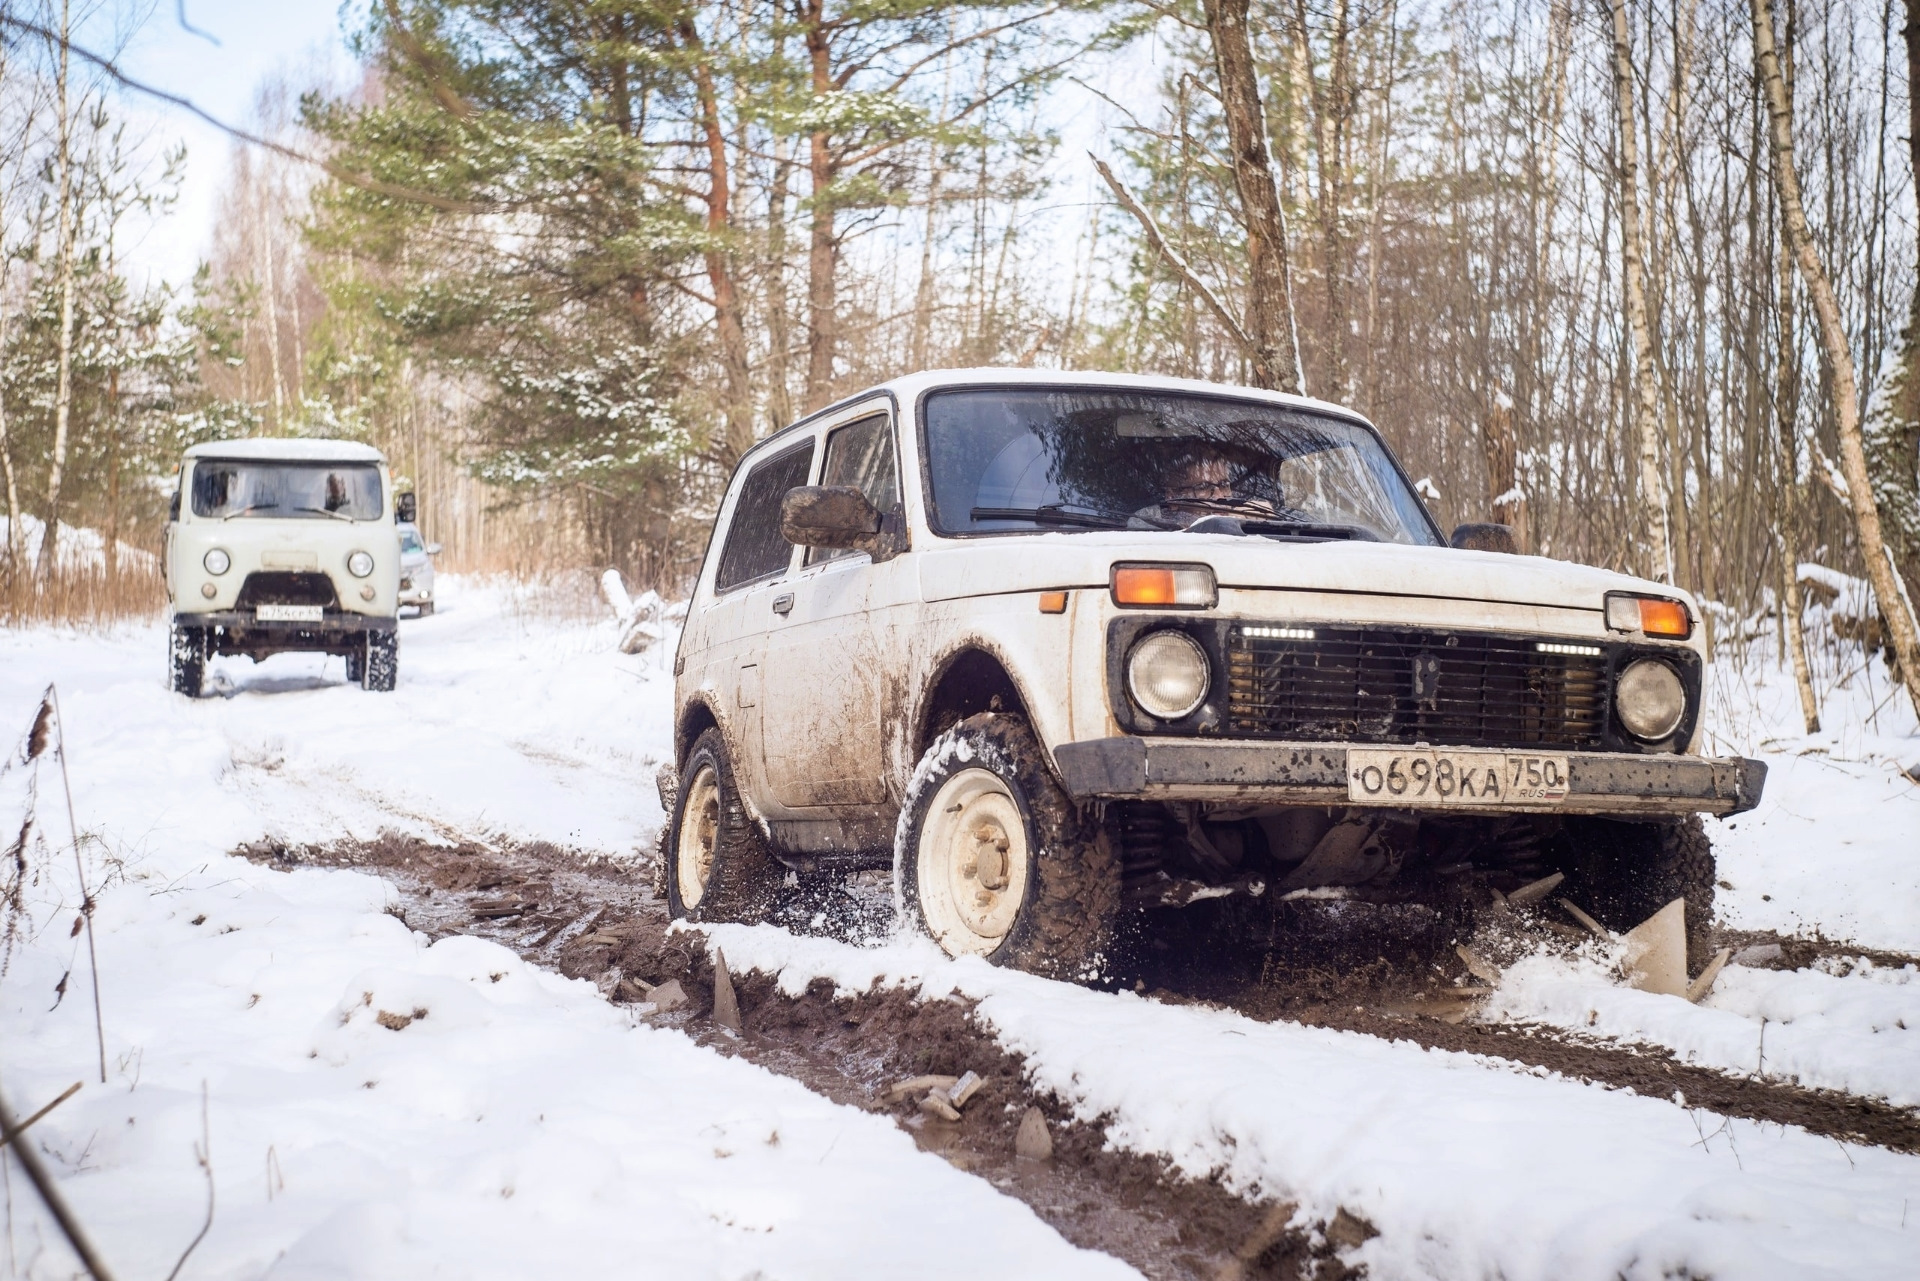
(600, 920)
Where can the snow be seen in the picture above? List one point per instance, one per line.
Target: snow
(522, 1126)
(1468, 1167)
(76, 548)
(1852, 1027)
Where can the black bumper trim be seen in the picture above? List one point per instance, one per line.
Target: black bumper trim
(241, 620)
(1316, 774)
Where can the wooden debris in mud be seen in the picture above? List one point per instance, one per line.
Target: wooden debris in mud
(726, 1006)
(1033, 1142)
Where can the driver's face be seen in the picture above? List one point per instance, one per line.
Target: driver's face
(1206, 477)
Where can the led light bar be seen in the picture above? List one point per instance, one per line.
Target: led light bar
(1579, 651)
(1278, 633)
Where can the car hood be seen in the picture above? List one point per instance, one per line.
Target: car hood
(985, 566)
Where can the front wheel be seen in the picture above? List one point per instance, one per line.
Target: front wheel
(186, 659)
(993, 859)
(380, 666)
(718, 866)
(1627, 871)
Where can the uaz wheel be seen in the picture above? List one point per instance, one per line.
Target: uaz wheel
(992, 859)
(186, 659)
(718, 866)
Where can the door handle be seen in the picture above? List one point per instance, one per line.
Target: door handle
(783, 604)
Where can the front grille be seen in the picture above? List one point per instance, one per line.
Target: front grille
(274, 587)
(1393, 685)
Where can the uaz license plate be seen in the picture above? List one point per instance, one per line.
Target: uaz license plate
(1421, 776)
(289, 613)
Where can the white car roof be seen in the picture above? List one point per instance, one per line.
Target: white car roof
(908, 387)
(283, 449)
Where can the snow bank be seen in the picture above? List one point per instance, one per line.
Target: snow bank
(1853, 1027)
(75, 548)
(1469, 1167)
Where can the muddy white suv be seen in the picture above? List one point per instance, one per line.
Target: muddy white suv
(275, 546)
(1068, 649)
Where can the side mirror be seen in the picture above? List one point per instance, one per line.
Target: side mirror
(836, 516)
(405, 507)
(1478, 537)
(433, 549)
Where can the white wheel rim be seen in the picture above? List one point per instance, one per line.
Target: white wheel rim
(972, 863)
(699, 836)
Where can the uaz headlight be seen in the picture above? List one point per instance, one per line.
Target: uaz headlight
(217, 562)
(360, 564)
(1649, 699)
(1167, 674)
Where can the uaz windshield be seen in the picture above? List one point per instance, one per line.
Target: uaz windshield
(1012, 459)
(225, 489)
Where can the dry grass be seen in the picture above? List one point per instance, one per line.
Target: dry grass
(83, 597)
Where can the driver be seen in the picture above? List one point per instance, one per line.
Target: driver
(1199, 484)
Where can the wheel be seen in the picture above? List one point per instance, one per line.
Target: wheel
(1623, 872)
(357, 662)
(992, 859)
(186, 659)
(381, 666)
(718, 864)
(425, 608)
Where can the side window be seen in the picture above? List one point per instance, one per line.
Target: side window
(754, 548)
(860, 454)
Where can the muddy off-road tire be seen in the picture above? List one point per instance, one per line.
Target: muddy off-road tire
(718, 867)
(991, 858)
(357, 662)
(380, 669)
(1623, 872)
(186, 659)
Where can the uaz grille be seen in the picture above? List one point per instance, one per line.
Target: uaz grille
(1393, 685)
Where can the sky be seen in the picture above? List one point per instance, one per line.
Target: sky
(256, 38)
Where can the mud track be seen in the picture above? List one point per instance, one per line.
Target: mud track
(600, 920)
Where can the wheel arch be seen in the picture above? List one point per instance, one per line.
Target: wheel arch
(966, 681)
(695, 719)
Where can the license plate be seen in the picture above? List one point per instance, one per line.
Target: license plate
(289, 613)
(1420, 776)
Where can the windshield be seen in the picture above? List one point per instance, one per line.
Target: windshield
(286, 491)
(410, 541)
(1056, 458)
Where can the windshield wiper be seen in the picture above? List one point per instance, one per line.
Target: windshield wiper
(322, 511)
(1054, 514)
(255, 507)
(1312, 529)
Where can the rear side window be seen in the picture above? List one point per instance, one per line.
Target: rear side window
(860, 454)
(754, 548)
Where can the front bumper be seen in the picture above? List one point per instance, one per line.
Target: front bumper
(240, 631)
(1269, 773)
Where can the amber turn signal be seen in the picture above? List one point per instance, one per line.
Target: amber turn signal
(1650, 615)
(1664, 618)
(1164, 586)
(1053, 602)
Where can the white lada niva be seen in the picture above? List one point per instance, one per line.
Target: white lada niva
(275, 546)
(1063, 648)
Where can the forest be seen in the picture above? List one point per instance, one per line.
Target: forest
(1635, 277)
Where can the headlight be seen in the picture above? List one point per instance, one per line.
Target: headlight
(360, 564)
(1167, 674)
(217, 562)
(1650, 699)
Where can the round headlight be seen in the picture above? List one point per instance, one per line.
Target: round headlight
(1167, 674)
(217, 561)
(1650, 699)
(360, 564)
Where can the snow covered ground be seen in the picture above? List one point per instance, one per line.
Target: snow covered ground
(518, 1125)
